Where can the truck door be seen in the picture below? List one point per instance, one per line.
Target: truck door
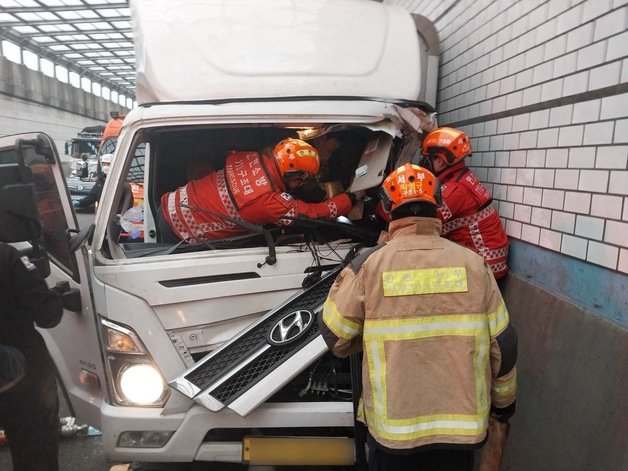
(74, 343)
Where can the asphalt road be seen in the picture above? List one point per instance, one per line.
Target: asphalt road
(77, 453)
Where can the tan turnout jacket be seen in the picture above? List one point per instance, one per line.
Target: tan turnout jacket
(429, 317)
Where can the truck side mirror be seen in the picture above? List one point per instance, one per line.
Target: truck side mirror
(43, 146)
(67, 148)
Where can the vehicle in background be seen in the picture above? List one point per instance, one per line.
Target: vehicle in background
(110, 134)
(211, 351)
(83, 152)
(84, 172)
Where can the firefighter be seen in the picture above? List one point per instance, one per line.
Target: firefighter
(439, 352)
(95, 193)
(254, 188)
(466, 212)
(29, 411)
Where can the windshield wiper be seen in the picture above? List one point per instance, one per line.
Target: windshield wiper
(270, 259)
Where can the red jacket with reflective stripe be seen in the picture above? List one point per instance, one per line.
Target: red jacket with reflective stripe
(249, 188)
(469, 220)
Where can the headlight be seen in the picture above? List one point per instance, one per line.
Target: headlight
(141, 384)
(134, 377)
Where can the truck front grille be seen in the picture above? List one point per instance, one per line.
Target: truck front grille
(228, 372)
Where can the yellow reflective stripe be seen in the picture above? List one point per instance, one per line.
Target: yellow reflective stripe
(498, 319)
(425, 281)
(424, 327)
(481, 361)
(376, 332)
(360, 414)
(341, 327)
(506, 386)
(376, 358)
(427, 425)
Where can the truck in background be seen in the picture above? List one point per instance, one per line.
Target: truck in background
(86, 150)
(83, 149)
(177, 352)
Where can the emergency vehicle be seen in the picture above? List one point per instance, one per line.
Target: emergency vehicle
(211, 351)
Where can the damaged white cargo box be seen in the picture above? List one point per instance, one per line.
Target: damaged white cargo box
(233, 49)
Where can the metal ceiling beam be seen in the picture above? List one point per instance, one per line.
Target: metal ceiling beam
(53, 34)
(117, 80)
(83, 6)
(68, 64)
(62, 21)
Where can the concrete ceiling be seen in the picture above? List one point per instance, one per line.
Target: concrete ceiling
(92, 38)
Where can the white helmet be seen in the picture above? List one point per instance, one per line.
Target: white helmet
(105, 162)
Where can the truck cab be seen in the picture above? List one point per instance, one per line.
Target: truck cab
(173, 351)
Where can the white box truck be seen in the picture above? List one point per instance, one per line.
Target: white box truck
(167, 348)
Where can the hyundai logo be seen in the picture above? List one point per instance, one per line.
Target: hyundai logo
(290, 327)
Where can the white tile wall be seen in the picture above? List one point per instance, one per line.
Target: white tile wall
(574, 246)
(603, 254)
(582, 157)
(550, 239)
(530, 234)
(623, 261)
(605, 76)
(563, 222)
(567, 179)
(606, 206)
(621, 130)
(556, 157)
(612, 157)
(577, 202)
(591, 228)
(616, 232)
(593, 180)
(541, 217)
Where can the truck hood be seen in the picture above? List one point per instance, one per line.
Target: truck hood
(218, 49)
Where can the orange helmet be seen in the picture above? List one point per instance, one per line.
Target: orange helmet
(295, 155)
(407, 184)
(452, 144)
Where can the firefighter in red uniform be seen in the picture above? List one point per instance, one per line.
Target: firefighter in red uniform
(439, 352)
(467, 215)
(253, 188)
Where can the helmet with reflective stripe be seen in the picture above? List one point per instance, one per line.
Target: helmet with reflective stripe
(295, 155)
(410, 184)
(451, 144)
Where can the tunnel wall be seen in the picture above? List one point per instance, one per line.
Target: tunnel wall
(541, 86)
(32, 101)
(572, 383)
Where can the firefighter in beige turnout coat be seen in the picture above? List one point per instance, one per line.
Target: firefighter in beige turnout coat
(439, 352)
